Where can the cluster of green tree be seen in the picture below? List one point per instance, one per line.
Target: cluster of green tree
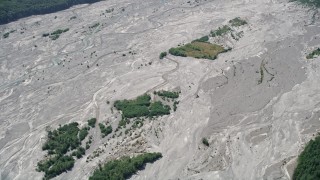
(314, 54)
(205, 142)
(92, 122)
(65, 139)
(55, 166)
(55, 34)
(162, 55)
(167, 94)
(309, 162)
(157, 109)
(221, 31)
(199, 50)
(83, 133)
(124, 168)
(105, 131)
(315, 3)
(177, 52)
(140, 107)
(237, 22)
(202, 39)
(11, 10)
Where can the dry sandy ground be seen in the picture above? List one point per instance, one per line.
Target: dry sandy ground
(255, 130)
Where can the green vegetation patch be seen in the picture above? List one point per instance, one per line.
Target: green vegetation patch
(55, 34)
(157, 108)
(55, 166)
(65, 139)
(237, 22)
(162, 55)
(140, 107)
(105, 131)
(125, 167)
(309, 162)
(202, 39)
(92, 122)
(167, 94)
(11, 10)
(221, 31)
(315, 3)
(203, 50)
(314, 54)
(83, 133)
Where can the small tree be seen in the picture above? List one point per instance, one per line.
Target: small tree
(162, 55)
(205, 141)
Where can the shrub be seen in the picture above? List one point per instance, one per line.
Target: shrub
(168, 94)
(175, 105)
(177, 52)
(205, 141)
(92, 122)
(202, 39)
(83, 133)
(158, 109)
(6, 35)
(105, 130)
(221, 31)
(162, 55)
(237, 22)
(314, 54)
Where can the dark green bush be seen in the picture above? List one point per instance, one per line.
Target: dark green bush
(168, 94)
(177, 52)
(6, 35)
(221, 31)
(45, 34)
(79, 152)
(205, 141)
(237, 22)
(162, 55)
(158, 109)
(105, 131)
(314, 54)
(83, 133)
(202, 39)
(124, 168)
(92, 122)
